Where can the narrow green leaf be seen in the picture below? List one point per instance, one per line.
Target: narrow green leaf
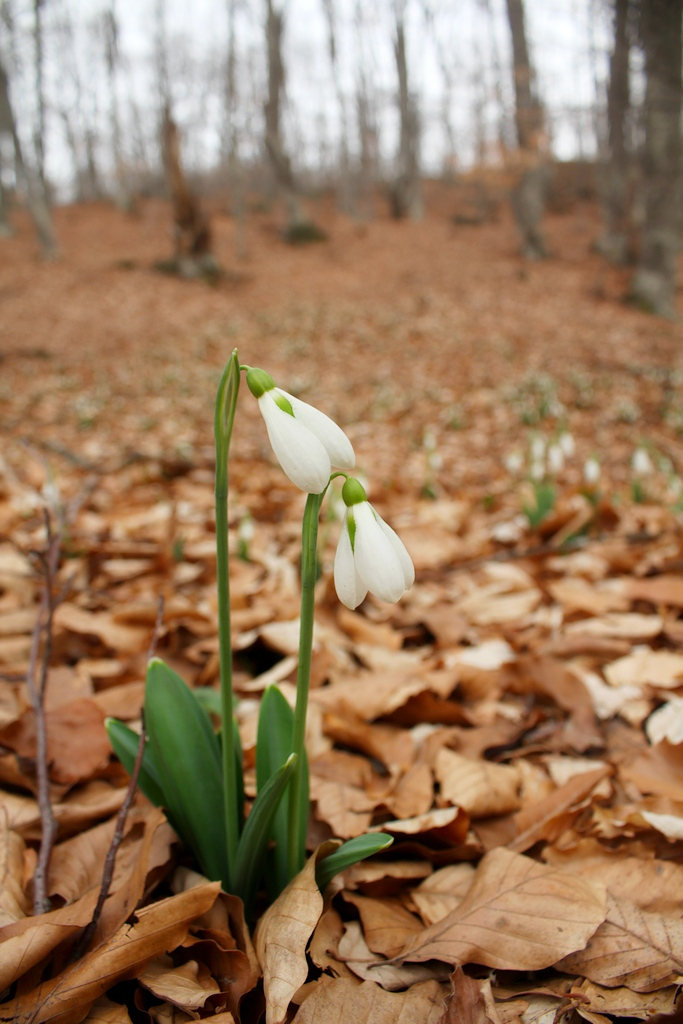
(187, 754)
(253, 846)
(273, 747)
(125, 742)
(209, 699)
(348, 854)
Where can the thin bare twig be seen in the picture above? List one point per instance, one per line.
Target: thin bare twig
(110, 859)
(117, 838)
(43, 627)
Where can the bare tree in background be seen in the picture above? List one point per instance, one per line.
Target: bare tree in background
(230, 139)
(529, 194)
(346, 198)
(35, 195)
(79, 118)
(614, 242)
(278, 156)
(406, 197)
(445, 58)
(39, 59)
(191, 229)
(661, 29)
(122, 194)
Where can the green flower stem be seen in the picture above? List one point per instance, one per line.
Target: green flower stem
(226, 401)
(309, 569)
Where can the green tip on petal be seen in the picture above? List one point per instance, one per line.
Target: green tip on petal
(353, 492)
(284, 404)
(258, 381)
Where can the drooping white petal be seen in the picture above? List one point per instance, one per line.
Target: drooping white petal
(377, 561)
(334, 440)
(401, 551)
(302, 456)
(350, 588)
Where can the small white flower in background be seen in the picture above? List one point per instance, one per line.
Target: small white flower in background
(306, 442)
(566, 443)
(591, 471)
(537, 449)
(513, 462)
(370, 555)
(555, 459)
(641, 463)
(537, 469)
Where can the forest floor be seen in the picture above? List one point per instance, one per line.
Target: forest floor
(515, 722)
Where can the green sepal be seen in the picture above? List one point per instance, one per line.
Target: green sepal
(125, 742)
(258, 381)
(348, 854)
(187, 754)
(273, 747)
(253, 845)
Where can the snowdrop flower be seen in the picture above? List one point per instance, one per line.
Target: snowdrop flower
(537, 470)
(306, 442)
(591, 471)
(641, 463)
(513, 462)
(370, 556)
(537, 449)
(566, 443)
(555, 459)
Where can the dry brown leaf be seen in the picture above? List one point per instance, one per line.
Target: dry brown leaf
(324, 947)
(576, 595)
(489, 605)
(624, 1002)
(187, 986)
(413, 794)
(666, 590)
(346, 809)
(549, 817)
(341, 999)
(282, 937)
(387, 925)
(126, 639)
(159, 927)
(482, 788)
(26, 942)
(632, 948)
(357, 955)
(470, 1001)
(646, 667)
(104, 1011)
(630, 625)
(77, 742)
(13, 902)
(517, 915)
(442, 892)
(449, 824)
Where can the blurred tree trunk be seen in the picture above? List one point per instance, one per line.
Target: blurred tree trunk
(122, 195)
(39, 131)
(529, 194)
(406, 197)
(614, 242)
(654, 283)
(345, 192)
(5, 226)
(279, 158)
(35, 196)
(230, 141)
(366, 118)
(192, 232)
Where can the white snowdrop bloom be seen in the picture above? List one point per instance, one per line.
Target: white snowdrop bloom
(641, 463)
(513, 462)
(555, 459)
(537, 449)
(591, 471)
(537, 469)
(306, 442)
(566, 443)
(370, 555)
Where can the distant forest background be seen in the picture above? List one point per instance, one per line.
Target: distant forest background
(107, 102)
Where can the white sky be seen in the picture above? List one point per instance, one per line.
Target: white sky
(568, 39)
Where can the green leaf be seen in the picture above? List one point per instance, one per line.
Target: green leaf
(273, 747)
(350, 853)
(253, 846)
(187, 754)
(209, 699)
(125, 742)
